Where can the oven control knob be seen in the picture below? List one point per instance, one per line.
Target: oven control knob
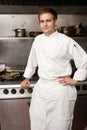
(22, 91)
(84, 87)
(5, 91)
(13, 91)
(30, 90)
(77, 87)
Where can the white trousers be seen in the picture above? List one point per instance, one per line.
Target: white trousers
(48, 113)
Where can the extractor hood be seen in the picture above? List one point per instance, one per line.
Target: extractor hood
(32, 6)
(44, 2)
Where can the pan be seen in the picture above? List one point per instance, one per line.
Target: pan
(10, 76)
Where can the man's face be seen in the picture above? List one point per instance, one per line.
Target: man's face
(47, 23)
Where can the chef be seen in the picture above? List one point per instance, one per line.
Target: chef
(54, 95)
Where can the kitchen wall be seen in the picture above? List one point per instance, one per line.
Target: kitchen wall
(17, 51)
(30, 22)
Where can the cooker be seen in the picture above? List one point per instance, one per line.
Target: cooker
(14, 100)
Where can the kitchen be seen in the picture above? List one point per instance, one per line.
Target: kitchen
(11, 56)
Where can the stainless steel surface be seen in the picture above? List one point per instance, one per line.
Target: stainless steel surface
(8, 22)
(14, 91)
(20, 32)
(14, 114)
(15, 51)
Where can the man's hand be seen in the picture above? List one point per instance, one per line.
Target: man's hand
(66, 80)
(25, 83)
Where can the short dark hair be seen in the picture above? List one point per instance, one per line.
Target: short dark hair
(47, 10)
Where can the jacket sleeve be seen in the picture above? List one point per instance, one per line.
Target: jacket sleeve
(80, 59)
(31, 64)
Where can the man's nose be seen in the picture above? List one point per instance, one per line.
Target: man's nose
(45, 23)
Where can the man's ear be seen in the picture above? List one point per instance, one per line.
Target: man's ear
(56, 22)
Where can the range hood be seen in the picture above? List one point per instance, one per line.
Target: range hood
(11, 9)
(32, 6)
(44, 2)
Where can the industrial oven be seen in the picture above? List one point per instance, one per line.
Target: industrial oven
(14, 100)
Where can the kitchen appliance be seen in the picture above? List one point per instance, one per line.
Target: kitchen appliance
(14, 101)
(74, 30)
(14, 105)
(80, 113)
(20, 32)
(14, 91)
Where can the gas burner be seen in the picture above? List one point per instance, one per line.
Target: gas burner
(15, 91)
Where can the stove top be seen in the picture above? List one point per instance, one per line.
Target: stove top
(10, 80)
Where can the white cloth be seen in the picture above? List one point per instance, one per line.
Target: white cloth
(52, 55)
(52, 104)
(53, 109)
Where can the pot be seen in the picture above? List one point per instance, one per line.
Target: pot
(64, 30)
(71, 30)
(34, 34)
(20, 32)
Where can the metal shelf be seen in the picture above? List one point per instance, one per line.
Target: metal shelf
(13, 37)
(19, 38)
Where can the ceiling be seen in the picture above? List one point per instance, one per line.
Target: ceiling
(44, 2)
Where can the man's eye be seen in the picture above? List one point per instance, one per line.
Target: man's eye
(41, 21)
(49, 20)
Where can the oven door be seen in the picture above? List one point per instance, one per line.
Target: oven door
(14, 114)
(80, 115)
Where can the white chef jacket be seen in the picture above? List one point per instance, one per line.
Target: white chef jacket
(52, 55)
